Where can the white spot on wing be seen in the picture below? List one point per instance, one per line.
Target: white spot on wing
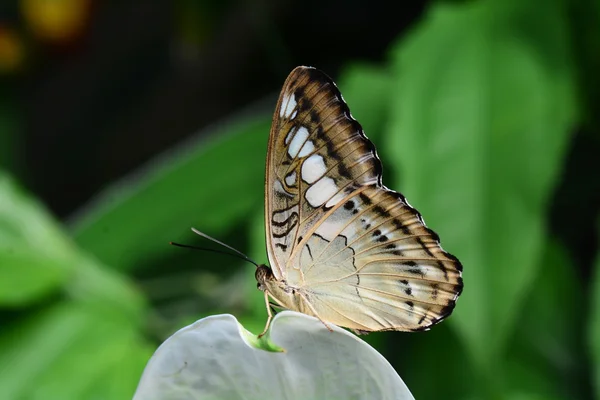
(335, 199)
(313, 168)
(297, 142)
(337, 224)
(329, 230)
(321, 191)
(290, 135)
(288, 104)
(306, 149)
(290, 179)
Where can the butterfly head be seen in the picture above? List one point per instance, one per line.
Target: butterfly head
(263, 273)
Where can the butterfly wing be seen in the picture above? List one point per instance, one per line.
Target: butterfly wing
(316, 154)
(359, 254)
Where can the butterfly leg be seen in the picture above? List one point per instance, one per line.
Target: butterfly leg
(269, 312)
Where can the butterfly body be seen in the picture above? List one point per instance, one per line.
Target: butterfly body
(287, 296)
(343, 247)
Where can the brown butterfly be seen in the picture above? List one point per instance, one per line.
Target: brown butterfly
(343, 247)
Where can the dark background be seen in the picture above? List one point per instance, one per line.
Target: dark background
(140, 76)
(92, 92)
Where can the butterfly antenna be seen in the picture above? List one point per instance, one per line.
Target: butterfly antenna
(187, 246)
(239, 253)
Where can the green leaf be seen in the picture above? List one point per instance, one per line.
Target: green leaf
(594, 327)
(97, 286)
(60, 353)
(367, 91)
(258, 246)
(24, 223)
(480, 126)
(26, 276)
(415, 355)
(36, 258)
(134, 220)
(545, 355)
(119, 381)
(263, 343)
(76, 339)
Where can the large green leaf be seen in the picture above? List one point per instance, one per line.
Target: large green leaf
(26, 276)
(367, 91)
(24, 223)
(416, 357)
(62, 352)
(545, 355)
(37, 258)
(117, 381)
(87, 330)
(210, 184)
(480, 125)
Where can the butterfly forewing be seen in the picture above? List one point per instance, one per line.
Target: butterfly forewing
(357, 253)
(317, 155)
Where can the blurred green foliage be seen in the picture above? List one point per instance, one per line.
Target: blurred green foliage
(472, 113)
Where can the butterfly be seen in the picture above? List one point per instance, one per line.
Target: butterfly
(341, 246)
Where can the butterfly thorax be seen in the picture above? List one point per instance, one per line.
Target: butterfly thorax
(288, 296)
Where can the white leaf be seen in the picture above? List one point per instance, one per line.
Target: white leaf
(217, 358)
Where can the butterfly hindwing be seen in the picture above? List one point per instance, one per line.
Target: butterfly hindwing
(380, 268)
(349, 250)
